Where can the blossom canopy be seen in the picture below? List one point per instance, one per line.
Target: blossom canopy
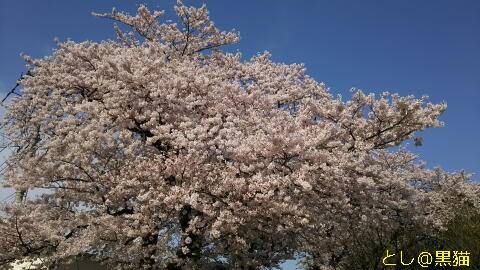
(161, 151)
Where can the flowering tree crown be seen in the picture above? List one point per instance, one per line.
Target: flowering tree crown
(159, 150)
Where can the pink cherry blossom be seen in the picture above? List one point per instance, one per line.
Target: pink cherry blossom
(159, 150)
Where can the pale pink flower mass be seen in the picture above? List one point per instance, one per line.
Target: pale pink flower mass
(160, 150)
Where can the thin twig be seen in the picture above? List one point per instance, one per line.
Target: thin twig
(15, 87)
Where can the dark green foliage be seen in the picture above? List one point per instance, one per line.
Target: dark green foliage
(368, 249)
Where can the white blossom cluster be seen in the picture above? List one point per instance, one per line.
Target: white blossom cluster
(160, 151)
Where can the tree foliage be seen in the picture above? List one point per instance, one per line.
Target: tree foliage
(460, 234)
(160, 151)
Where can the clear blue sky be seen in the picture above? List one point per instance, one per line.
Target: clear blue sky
(410, 47)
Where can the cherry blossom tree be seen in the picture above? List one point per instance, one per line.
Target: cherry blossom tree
(161, 151)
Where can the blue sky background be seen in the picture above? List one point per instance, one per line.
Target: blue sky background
(427, 47)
